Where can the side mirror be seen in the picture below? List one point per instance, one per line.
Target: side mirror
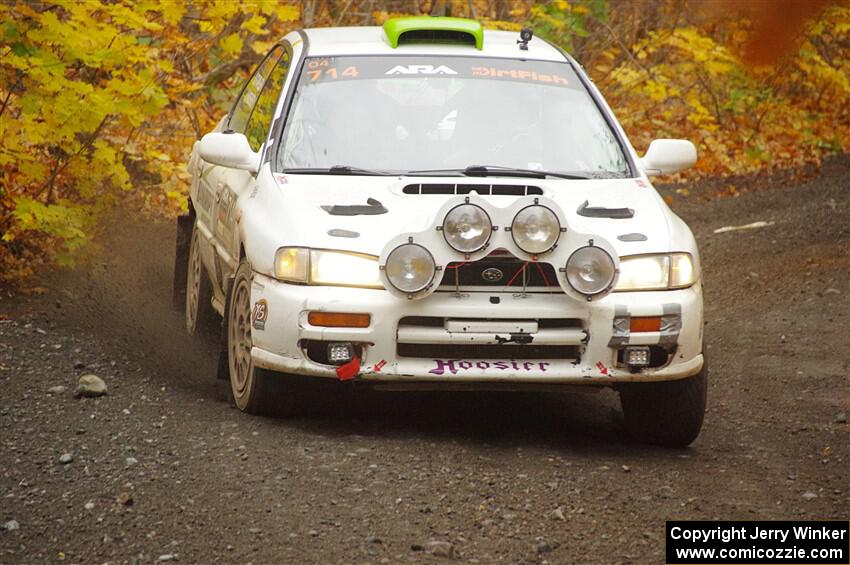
(668, 156)
(229, 150)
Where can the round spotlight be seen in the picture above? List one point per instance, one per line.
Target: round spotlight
(410, 268)
(536, 229)
(467, 228)
(590, 270)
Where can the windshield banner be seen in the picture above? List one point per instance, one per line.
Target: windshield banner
(331, 69)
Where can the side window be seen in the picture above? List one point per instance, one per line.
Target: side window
(241, 112)
(258, 124)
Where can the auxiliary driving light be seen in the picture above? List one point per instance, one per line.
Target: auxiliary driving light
(590, 270)
(536, 229)
(410, 268)
(340, 353)
(636, 357)
(467, 228)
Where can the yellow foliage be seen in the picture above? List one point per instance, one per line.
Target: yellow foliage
(255, 24)
(231, 45)
(743, 119)
(84, 86)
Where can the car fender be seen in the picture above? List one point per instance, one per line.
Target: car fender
(261, 214)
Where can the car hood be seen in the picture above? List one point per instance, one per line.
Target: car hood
(297, 212)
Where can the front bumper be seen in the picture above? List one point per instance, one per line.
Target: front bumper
(596, 335)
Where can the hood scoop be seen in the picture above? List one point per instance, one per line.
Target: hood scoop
(600, 212)
(483, 189)
(371, 208)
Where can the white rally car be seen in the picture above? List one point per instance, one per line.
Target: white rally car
(430, 205)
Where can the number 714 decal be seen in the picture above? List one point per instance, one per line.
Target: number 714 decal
(322, 69)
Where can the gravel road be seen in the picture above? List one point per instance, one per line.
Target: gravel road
(162, 469)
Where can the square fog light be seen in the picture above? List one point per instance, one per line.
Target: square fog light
(636, 357)
(340, 353)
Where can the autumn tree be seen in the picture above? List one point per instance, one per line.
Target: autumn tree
(101, 103)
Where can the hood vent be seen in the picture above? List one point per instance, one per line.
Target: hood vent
(599, 212)
(483, 189)
(371, 208)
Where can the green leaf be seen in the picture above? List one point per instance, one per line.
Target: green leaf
(23, 50)
(10, 31)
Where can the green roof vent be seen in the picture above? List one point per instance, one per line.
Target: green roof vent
(427, 29)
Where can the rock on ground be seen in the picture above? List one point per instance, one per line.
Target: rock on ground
(440, 549)
(90, 386)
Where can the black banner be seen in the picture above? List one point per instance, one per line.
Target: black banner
(758, 542)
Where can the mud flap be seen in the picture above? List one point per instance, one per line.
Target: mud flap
(223, 370)
(185, 222)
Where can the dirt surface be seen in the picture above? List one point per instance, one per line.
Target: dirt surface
(163, 469)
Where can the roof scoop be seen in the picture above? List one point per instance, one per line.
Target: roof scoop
(437, 30)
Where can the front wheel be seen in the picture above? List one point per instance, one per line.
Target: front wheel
(252, 389)
(666, 413)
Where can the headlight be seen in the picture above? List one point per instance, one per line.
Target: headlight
(590, 270)
(536, 229)
(292, 264)
(344, 269)
(410, 268)
(467, 228)
(656, 272)
(682, 272)
(332, 268)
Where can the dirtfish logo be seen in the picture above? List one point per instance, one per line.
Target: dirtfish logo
(420, 70)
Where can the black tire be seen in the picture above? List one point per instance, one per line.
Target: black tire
(181, 260)
(200, 316)
(252, 389)
(666, 413)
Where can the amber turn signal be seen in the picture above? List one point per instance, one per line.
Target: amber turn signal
(338, 320)
(645, 324)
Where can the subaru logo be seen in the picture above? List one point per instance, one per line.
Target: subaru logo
(492, 274)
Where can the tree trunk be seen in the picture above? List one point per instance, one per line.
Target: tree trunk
(308, 9)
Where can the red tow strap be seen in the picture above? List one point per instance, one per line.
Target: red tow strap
(349, 370)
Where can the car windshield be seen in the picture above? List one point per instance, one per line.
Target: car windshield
(404, 114)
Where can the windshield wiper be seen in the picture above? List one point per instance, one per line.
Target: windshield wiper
(499, 171)
(470, 171)
(338, 170)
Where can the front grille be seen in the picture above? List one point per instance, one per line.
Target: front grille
(542, 323)
(422, 331)
(505, 272)
(483, 189)
(447, 351)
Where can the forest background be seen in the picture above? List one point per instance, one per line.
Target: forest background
(101, 101)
